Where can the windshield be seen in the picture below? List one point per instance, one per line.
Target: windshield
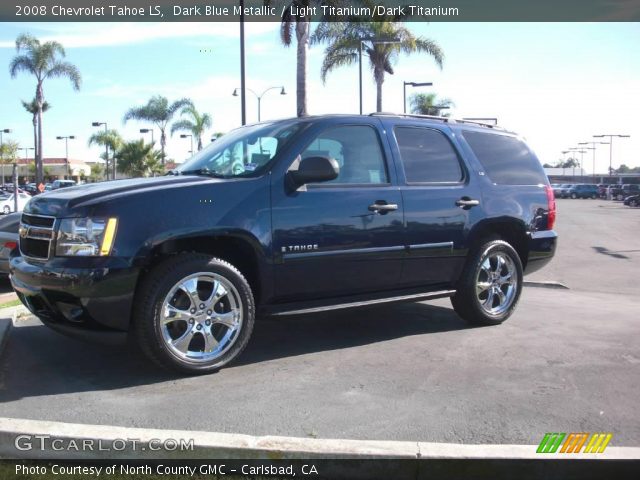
(245, 151)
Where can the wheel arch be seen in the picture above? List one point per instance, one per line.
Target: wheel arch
(239, 248)
(510, 230)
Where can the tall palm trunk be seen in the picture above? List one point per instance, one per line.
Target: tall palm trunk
(35, 137)
(163, 142)
(39, 159)
(378, 74)
(302, 35)
(199, 142)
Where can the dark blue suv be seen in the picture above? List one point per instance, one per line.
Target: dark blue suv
(288, 217)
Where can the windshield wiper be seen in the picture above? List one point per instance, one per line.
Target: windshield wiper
(202, 171)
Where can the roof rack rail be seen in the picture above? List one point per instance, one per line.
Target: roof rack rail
(442, 119)
(412, 115)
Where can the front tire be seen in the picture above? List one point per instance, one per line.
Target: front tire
(574, 196)
(490, 286)
(193, 313)
(6, 210)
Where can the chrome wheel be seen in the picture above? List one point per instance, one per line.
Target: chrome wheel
(201, 317)
(496, 283)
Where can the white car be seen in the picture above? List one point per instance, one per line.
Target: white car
(7, 203)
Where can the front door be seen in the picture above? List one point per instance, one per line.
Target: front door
(344, 236)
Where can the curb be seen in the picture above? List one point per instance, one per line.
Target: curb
(8, 317)
(209, 445)
(545, 284)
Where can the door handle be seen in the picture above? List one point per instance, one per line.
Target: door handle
(383, 207)
(466, 202)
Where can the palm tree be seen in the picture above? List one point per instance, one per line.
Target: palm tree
(346, 38)
(138, 159)
(302, 26)
(110, 139)
(429, 104)
(8, 154)
(42, 60)
(158, 111)
(32, 108)
(197, 124)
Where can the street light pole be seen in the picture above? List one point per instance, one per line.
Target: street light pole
(106, 152)
(404, 91)
(259, 97)
(593, 147)
(185, 135)
(66, 149)
(243, 99)
(4, 130)
(611, 147)
(147, 130)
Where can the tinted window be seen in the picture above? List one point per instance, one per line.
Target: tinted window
(506, 160)
(427, 156)
(356, 149)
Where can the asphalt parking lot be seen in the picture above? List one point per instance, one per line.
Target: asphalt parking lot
(568, 360)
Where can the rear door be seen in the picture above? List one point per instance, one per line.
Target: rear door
(344, 236)
(441, 201)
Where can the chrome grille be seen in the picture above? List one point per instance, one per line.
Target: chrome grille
(36, 235)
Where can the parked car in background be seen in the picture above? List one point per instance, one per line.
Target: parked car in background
(602, 190)
(31, 189)
(7, 204)
(564, 190)
(557, 187)
(62, 184)
(583, 191)
(629, 189)
(632, 200)
(615, 192)
(9, 225)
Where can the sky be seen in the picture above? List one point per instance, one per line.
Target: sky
(556, 84)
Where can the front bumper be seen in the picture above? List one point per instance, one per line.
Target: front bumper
(542, 248)
(90, 302)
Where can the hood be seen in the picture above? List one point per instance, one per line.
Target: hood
(59, 201)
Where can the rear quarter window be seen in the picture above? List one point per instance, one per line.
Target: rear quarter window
(506, 160)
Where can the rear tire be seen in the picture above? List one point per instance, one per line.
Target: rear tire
(490, 286)
(193, 313)
(574, 196)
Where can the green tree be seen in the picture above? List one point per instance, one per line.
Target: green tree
(196, 124)
(160, 112)
(345, 39)
(138, 159)
(429, 104)
(110, 139)
(8, 155)
(43, 61)
(97, 172)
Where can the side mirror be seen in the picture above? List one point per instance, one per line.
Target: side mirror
(313, 169)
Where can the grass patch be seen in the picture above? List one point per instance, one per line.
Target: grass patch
(12, 303)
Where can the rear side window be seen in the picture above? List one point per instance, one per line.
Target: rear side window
(506, 160)
(427, 156)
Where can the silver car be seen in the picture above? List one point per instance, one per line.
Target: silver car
(8, 240)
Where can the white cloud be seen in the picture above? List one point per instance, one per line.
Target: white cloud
(83, 35)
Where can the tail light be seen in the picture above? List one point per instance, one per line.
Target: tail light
(10, 245)
(551, 205)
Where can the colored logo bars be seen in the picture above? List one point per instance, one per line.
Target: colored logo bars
(573, 442)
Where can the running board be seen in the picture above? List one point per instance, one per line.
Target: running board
(416, 297)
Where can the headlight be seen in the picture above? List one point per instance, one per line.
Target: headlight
(87, 237)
